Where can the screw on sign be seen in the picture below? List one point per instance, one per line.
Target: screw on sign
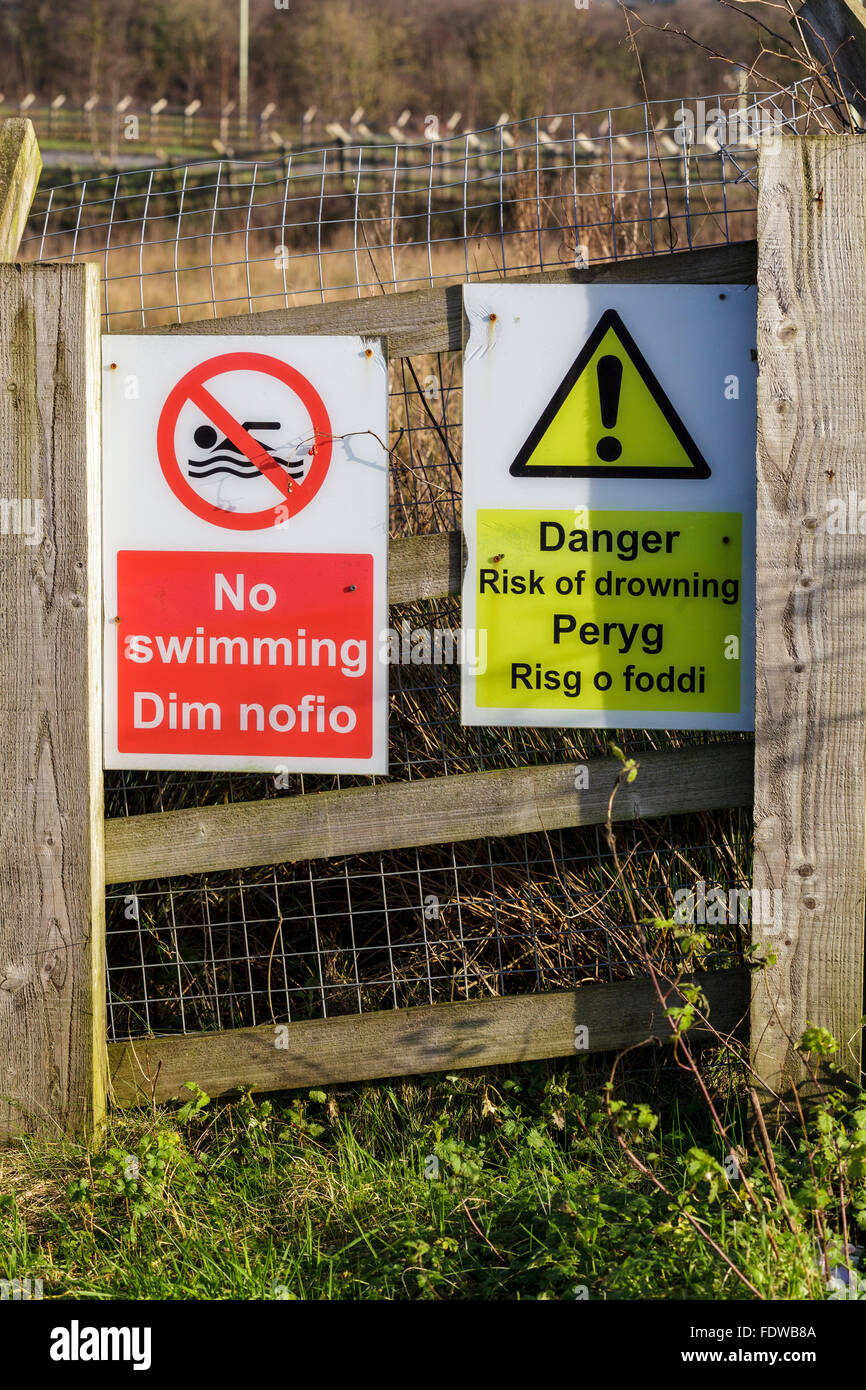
(209, 451)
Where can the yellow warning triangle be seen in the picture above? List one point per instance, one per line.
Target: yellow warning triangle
(610, 418)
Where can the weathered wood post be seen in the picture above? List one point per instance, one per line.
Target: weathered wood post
(810, 731)
(52, 990)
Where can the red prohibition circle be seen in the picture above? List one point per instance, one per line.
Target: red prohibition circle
(320, 430)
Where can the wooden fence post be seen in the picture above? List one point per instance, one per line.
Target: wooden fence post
(834, 32)
(810, 718)
(20, 167)
(52, 988)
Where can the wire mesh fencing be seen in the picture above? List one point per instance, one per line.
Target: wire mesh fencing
(468, 920)
(220, 236)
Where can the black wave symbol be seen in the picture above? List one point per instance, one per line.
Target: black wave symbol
(240, 468)
(220, 468)
(226, 458)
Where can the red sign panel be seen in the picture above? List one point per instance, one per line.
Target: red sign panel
(245, 654)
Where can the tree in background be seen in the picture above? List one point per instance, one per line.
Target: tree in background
(190, 50)
(482, 57)
(527, 52)
(337, 56)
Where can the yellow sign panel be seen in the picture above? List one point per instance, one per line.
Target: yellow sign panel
(612, 610)
(609, 417)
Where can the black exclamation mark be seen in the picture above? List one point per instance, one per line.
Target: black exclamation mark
(609, 371)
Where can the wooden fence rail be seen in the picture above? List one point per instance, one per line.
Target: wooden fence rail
(431, 320)
(422, 567)
(429, 811)
(403, 1042)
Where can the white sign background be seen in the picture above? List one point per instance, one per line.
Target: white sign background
(348, 515)
(693, 337)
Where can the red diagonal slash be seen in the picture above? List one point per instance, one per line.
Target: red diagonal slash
(241, 438)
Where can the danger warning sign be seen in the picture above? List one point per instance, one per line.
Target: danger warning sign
(641, 614)
(598, 603)
(245, 553)
(609, 417)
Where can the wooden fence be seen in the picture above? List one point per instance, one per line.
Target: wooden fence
(808, 790)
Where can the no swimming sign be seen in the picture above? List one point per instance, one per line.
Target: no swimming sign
(609, 506)
(246, 531)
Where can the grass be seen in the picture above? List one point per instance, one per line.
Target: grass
(337, 1196)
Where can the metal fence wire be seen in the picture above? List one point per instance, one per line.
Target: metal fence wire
(457, 921)
(221, 236)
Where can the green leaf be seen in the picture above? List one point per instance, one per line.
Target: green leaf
(817, 1041)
